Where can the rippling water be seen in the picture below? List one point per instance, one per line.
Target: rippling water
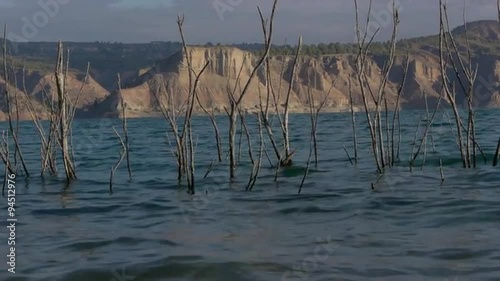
(409, 228)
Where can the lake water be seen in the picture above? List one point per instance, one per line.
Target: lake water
(409, 228)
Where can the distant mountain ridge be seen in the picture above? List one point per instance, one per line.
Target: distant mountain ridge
(157, 68)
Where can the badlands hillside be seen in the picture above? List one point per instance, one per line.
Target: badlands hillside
(320, 73)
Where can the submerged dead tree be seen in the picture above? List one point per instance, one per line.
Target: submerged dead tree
(192, 97)
(213, 120)
(13, 133)
(465, 74)
(382, 143)
(123, 153)
(284, 156)
(64, 113)
(185, 152)
(265, 106)
(256, 164)
(52, 140)
(314, 111)
(353, 122)
(287, 159)
(48, 140)
(124, 126)
(171, 113)
(235, 101)
(429, 119)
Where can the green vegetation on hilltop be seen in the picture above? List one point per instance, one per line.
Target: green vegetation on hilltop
(118, 57)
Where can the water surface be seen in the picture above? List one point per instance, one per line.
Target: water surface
(409, 228)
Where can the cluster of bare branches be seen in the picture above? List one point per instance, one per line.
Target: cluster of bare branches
(429, 119)
(14, 132)
(273, 101)
(465, 74)
(185, 145)
(60, 117)
(48, 140)
(314, 111)
(213, 120)
(378, 102)
(286, 157)
(271, 106)
(235, 100)
(458, 74)
(284, 154)
(65, 113)
(59, 108)
(383, 147)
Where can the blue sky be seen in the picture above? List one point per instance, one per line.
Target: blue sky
(223, 21)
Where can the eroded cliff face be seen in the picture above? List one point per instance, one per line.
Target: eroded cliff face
(20, 105)
(325, 76)
(36, 89)
(330, 77)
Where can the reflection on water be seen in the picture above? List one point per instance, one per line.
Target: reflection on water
(409, 228)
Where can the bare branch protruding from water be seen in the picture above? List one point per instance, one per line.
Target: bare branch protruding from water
(123, 152)
(64, 113)
(234, 100)
(497, 154)
(18, 152)
(124, 126)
